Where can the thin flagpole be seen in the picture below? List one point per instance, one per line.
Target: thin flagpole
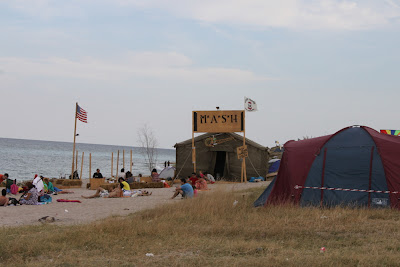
(73, 150)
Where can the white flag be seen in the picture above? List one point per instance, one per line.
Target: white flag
(249, 105)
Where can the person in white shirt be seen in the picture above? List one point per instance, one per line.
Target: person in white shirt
(209, 177)
(122, 174)
(38, 184)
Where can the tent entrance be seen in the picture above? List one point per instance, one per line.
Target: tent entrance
(220, 164)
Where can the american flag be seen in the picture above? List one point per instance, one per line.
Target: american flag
(81, 114)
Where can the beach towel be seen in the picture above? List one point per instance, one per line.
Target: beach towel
(68, 200)
(45, 198)
(65, 192)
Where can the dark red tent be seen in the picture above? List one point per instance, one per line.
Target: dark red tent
(355, 166)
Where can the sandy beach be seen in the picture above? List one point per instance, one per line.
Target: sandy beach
(90, 210)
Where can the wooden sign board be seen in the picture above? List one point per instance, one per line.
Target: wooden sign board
(219, 121)
(242, 152)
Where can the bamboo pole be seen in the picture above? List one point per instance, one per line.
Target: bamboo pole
(116, 174)
(112, 163)
(90, 165)
(83, 153)
(131, 162)
(123, 159)
(73, 150)
(244, 143)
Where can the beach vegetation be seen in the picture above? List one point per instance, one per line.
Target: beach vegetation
(210, 230)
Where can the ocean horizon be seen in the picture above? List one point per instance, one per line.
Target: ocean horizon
(23, 158)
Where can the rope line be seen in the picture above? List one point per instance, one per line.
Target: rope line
(176, 176)
(254, 167)
(345, 189)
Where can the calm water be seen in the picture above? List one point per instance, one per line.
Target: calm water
(22, 159)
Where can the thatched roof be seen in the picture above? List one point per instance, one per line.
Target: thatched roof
(235, 135)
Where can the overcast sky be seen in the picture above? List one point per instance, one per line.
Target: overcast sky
(313, 67)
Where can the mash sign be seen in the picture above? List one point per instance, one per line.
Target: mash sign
(221, 121)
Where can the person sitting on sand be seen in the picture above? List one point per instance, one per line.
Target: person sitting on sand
(48, 186)
(101, 192)
(122, 174)
(9, 182)
(97, 174)
(32, 197)
(126, 189)
(155, 178)
(3, 198)
(186, 190)
(201, 184)
(193, 179)
(209, 177)
(201, 174)
(38, 184)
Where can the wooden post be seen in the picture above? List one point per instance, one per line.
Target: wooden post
(193, 153)
(116, 174)
(90, 165)
(244, 143)
(83, 153)
(73, 150)
(123, 158)
(131, 162)
(112, 163)
(76, 158)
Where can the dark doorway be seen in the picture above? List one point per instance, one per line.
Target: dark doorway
(220, 164)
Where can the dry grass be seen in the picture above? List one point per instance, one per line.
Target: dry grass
(209, 230)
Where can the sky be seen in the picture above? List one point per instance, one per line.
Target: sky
(313, 67)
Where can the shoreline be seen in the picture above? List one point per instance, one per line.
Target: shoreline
(90, 210)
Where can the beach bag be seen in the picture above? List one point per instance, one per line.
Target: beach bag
(45, 198)
(13, 201)
(14, 189)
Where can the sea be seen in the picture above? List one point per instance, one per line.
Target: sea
(22, 159)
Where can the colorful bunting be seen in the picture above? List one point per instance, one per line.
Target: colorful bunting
(391, 132)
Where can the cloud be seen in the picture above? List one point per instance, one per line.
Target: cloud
(145, 65)
(292, 14)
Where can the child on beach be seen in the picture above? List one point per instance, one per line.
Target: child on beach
(3, 198)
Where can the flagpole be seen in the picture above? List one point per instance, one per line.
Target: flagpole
(73, 150)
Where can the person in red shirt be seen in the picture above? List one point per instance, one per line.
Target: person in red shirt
(1, 178)
(193, 179)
